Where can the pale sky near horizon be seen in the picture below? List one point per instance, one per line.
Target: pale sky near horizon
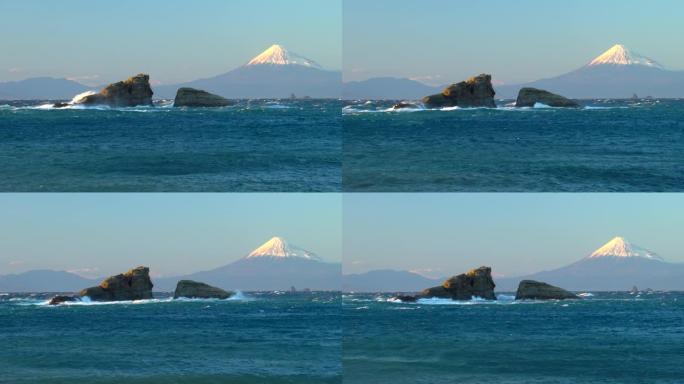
(440, 235)
(97, 235)
(443, 41)
(96, 42)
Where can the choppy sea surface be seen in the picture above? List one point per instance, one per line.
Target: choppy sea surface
(258, 145)
(607, 145)
(255, 338)
(604, 338)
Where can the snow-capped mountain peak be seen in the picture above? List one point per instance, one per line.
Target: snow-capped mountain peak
(619, 247)
(279, 247)
(278, 55)
(618, 54)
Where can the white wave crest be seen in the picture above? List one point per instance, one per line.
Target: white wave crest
(78, 98)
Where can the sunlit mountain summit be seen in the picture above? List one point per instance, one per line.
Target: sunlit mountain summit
(274, 265)
(618, 54)
(618, 72)
(274, 73)
(619, 247)
(278, 247)
(278, 55)
(616, 265)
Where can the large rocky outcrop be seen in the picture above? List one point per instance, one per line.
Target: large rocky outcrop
(466, 286)
(537, 290)
(132, 285)
(132, 92)
(191, 97)
(528, 97)
(474, 92)
(196, 290)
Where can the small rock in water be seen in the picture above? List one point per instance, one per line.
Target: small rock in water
(528, 97)
(403, 105)
(190, 97)
(537, 290)
(196, 290)
(59, 299)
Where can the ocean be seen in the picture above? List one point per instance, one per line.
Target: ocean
(264, 145)
(256, 338)
(607, 146)
(611, 337)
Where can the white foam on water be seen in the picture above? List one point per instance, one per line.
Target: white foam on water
(585, 294)
(78, 98)
(541, 105)
(85, 301)
(239, 296)
(502, 297)
(439, 301)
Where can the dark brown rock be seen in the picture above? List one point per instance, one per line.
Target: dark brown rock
(132, 285)
(407, 298)
(194, 289)
(474, 92)
(190, 97)
(59, 299)
(528, 97)
(132, 92)
(466, 286)
(537, 290)
(403, 105)
(474, 283)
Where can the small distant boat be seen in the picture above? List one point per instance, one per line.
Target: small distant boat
(635, 97)
(634, 290)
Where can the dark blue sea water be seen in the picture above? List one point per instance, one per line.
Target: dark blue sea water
(285, 145)
(258, 338)
(607, 338)
(610, 145)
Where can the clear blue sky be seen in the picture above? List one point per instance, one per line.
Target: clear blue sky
(442, 41)
(102, 234)
(445, 234)
(174, 40)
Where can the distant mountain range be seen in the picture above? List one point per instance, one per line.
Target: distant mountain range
(616, 73)
(275, 73)
(275, 265)
(387, 280)
(45, 280)
(41, 88)
(616, 266)
(387, 88)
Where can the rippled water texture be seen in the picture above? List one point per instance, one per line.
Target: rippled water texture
(604, 338)
(283, 145)
(257, 338)
(609, 145)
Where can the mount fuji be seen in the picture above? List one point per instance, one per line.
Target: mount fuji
(275, 265)
(274, 73)
(615, 266)
(616, 73)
